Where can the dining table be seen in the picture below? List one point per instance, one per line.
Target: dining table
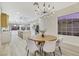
(41, 40)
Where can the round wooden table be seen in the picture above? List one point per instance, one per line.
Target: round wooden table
(41, 40)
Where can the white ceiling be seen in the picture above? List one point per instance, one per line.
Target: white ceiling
(26, 10)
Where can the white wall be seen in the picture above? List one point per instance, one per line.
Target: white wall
(50, 24)
(74, 40)
(0, 19)
(0, 26)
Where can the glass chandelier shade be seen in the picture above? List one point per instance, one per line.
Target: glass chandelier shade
(41, 9)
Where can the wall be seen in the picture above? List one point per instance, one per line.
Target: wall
(50, 24)
(0, 18)
(0, 26)
(74, 40)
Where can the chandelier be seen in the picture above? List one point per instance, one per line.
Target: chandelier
(42, 9)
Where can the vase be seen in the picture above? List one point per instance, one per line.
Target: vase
(43, 35)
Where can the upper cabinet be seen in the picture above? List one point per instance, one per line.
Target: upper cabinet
(4, 20)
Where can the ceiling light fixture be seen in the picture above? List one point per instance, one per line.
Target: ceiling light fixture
(42, 9)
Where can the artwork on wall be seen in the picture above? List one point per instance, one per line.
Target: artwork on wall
(69, 24)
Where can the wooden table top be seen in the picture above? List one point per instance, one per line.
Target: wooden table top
(45, 38)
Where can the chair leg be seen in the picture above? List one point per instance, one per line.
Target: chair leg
(26, 48)
(50, 53)
(54, 53)
(60, 50)
(35, 53)
(45, 53)
(27, 52)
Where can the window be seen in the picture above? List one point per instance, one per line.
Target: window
(69, 24)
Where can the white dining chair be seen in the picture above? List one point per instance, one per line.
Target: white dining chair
(59, 43)
(31, 47)
(49, 47)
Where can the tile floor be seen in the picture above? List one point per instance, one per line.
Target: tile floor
(17, 48)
